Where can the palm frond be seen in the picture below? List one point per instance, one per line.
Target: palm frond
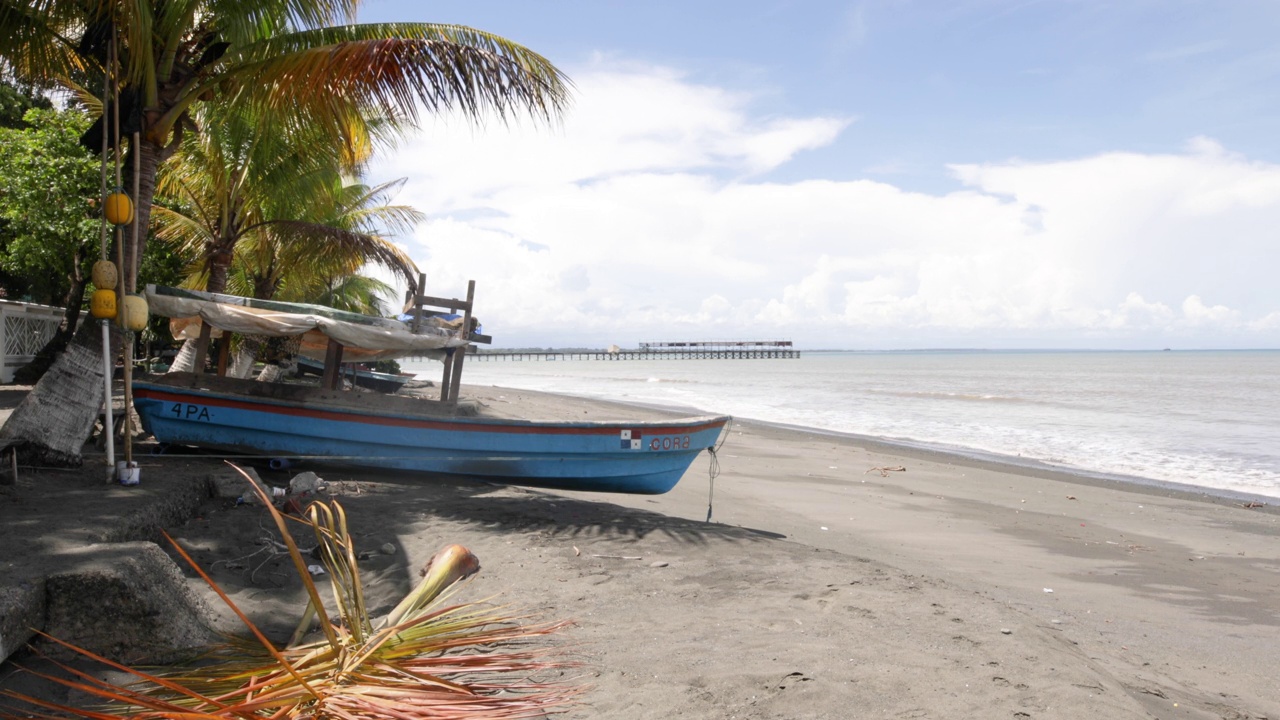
(353, 293)
(184, 234)
(328, 244)
(392, 68)
(40, 38)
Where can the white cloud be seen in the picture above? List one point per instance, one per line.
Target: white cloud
(647, 215)
(1197, 313)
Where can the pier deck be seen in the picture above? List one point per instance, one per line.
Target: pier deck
(697, 350)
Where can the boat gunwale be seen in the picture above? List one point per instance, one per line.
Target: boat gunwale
(318, 409)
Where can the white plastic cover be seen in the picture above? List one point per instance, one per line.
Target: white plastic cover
(380, 339)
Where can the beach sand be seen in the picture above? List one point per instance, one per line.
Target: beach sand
(823, 588)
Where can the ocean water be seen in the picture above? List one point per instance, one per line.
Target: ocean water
(1209, 418)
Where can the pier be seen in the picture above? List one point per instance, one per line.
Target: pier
(683, 350)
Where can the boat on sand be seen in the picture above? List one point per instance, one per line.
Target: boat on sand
(501, 436)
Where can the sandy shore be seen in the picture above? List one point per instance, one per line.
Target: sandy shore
(826, 589)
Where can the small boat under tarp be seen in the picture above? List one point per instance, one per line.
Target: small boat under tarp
(626, 450)
(359, 376)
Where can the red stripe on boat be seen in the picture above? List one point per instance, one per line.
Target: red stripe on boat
(468, 425)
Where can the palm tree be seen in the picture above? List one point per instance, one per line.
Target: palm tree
(287, 60)
(270, 200)
(263, 206)
(346, 226)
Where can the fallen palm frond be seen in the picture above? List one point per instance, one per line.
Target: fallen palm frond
(424, 660)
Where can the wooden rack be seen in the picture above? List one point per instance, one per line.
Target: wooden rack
(425, 306)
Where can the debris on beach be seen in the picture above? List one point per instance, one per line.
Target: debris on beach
(306, 483)
(886, 469)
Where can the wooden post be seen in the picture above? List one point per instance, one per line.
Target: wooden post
(11, 477)
(122, 317)
(332, 366)
(224, 352)
(448, 374)
(202, 347)
(417, 302)
(461, 353)
(127, 429)
(456, 378)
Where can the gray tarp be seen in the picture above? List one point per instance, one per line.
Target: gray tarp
(371, 339)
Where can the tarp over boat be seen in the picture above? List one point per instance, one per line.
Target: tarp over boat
(363, 337)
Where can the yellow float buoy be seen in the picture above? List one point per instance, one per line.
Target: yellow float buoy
(135, 312)
(119, 209)
(103, 304)
(104, 275)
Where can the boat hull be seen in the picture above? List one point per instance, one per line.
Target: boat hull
(647, 457)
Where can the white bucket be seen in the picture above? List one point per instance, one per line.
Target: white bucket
(128, 473)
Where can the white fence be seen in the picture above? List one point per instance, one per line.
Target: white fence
(26, 328)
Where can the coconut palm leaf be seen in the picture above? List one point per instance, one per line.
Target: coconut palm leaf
(41, 39)
(394, 66)
(327, 245)
(353, 293)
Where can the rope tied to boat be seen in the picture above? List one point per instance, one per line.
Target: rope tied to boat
(714, 469)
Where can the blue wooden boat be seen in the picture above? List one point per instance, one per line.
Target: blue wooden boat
(535, 442)
(367, 430)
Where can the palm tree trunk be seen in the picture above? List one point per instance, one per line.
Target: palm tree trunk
(242, 367)
(54, 420)
(150, 156)
(270, 373)
(219, 265)
(185, 360)
(34, 370)
(72, 302)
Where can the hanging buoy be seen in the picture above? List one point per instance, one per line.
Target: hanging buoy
(119, 209)
(104, 275)
(135, 311)
(103, 304)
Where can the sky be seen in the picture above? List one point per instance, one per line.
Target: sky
(865, 175)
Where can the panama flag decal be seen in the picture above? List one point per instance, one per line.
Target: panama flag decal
(630, 439)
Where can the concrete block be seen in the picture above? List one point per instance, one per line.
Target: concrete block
(21, 612)
(128, 602)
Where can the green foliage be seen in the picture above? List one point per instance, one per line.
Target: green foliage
(15, 101)
(48, 192)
